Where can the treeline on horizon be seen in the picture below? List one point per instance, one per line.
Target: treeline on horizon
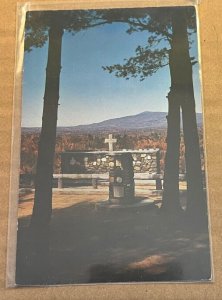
(85, 142)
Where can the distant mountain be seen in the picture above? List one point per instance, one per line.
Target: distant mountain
(143, 121)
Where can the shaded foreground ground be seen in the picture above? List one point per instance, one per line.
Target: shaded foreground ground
(89, 244)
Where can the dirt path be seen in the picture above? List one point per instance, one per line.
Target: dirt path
(88, 244)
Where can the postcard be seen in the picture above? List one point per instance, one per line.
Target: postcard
(112, 174)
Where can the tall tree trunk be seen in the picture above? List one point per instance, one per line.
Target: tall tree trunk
(195, 194)
(44, 174)
(170, 202)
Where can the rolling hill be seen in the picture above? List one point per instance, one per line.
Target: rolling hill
(142, 121)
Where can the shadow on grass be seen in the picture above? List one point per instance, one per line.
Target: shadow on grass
(91, 245)
(111, 273)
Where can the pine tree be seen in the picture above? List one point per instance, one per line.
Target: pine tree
(40, 28)
(170, 26)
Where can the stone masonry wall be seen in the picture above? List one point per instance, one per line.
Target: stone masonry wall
(101, 163)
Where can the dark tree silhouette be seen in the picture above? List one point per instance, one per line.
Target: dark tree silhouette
(195, 196)
(172, 25)
(40, 27)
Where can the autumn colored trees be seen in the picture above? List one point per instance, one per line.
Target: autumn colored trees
(74, 142)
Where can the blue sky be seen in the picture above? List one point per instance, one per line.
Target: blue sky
(89, 94)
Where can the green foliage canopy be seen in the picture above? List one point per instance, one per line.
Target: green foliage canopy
(38, 24)
(154, 55)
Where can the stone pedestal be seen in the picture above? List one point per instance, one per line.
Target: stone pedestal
(121, 179)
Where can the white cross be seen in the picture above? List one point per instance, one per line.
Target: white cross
(110, 141)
